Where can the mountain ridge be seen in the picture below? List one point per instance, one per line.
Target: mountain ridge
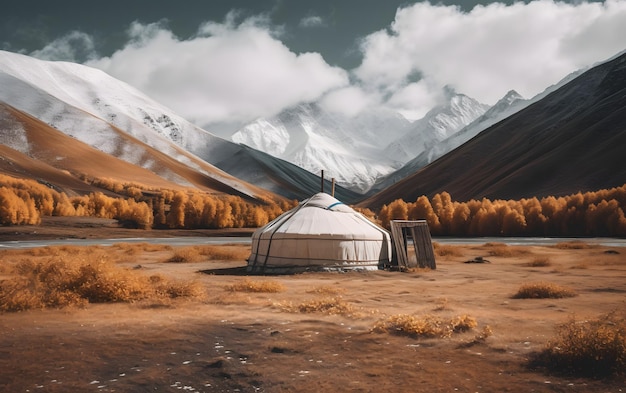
(570, 140)
(33, 86)
(314, 138)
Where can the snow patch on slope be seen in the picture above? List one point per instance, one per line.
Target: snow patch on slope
(13, 134)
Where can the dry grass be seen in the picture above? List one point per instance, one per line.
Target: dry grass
(226, 252)
(575, 245)
(76, 279)
(543, 290)
(138, 248)
(539, 262)
(443, 250)
(427, 326)
(198, 253)
(248, 285)
(595, 348)
(327, 290)
(185, 255)
(504, 250)
(329, 305)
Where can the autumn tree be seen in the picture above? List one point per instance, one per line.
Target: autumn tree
(423, 210)
(176, 216)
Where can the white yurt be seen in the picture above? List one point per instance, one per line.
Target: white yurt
(321, 233)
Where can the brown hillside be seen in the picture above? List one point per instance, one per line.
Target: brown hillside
(16, 164)
(71, 158)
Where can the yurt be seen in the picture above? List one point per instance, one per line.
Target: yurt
(319, 234)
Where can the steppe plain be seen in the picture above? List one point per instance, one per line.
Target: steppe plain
(237, 341)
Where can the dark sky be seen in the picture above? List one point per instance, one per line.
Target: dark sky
(26, 26)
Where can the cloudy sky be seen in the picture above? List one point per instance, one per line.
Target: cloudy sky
(222, 63)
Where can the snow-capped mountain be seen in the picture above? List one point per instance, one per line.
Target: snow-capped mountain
(440, 123)
(571, 139)
(506, 106)
(113, 117)
(346, 148)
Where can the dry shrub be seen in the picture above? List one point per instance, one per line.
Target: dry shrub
(330, 305)
(138, 248)
(62, 282)
(248, 285)
(595, 348)
(427, 326)
(185, 255)
(129, 248)
(38, 251)
(574, 245)
(479, 338)
(543, 290)
(443, 250)
(327, 290)
(197, 253)
(177, 289)
(504, 250)
(484, 334)
(539, 262)
(225, 252)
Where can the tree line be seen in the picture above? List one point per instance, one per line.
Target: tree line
(598, 213)
(25, 201)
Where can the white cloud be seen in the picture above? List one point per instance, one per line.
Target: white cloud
(311, 21)
(75, 46)
(226, 73)
(234, 72)
(349, 100)
(415, 99)
(489, 50)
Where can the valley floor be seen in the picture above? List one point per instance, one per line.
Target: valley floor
(256, 342)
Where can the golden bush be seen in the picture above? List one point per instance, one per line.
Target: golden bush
(591, 348)
(328, 305)
(247, 285)
(68, 279)
(427, 326)
(543, 290)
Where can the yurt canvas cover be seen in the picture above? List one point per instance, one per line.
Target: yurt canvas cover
(321, 233)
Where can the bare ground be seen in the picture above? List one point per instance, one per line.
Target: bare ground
(250, 342)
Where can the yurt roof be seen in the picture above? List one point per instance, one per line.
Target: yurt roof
(322, 216)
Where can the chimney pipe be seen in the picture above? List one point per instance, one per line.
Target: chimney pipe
(322, 180)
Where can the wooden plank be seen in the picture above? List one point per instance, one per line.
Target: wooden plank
(400, 248)
(422, 243)
(423, 246)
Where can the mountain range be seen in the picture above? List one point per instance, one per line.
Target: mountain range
(62, 123)
(94, 109)
(572, 139)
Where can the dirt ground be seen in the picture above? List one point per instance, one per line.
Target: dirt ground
(251, 342)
